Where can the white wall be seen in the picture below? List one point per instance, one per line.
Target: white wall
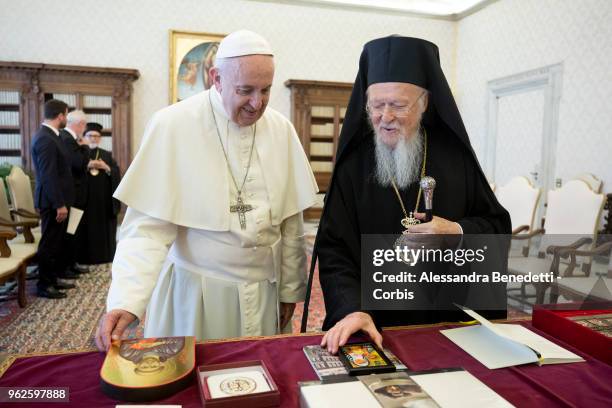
(513, 36)
(505, 38)
(310, 43)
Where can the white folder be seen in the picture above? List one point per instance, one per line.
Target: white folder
(74, 218)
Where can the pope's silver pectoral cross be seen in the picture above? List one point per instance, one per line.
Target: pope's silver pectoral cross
(241, 208)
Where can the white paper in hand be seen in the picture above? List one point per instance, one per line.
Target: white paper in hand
(74, 218)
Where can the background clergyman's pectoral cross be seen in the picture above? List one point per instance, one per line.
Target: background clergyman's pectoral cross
(241, 208)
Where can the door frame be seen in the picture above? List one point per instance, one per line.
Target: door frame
(548, 79)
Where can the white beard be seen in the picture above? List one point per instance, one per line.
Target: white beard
(401, 164)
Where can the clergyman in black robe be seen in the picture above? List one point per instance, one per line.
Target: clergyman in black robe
(400, 97)
(99, 222)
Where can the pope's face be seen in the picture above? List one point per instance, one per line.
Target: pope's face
(395, 110)
(244, 84)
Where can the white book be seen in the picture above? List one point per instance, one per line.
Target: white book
(504, 345)
(459, 389)
(345, 394)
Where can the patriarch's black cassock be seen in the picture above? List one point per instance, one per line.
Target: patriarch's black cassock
(99, 224)
(355, 204)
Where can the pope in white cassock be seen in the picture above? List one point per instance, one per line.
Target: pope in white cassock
(212, 243)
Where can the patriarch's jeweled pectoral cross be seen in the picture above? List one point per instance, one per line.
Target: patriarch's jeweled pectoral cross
(411, 220)
(241, 208)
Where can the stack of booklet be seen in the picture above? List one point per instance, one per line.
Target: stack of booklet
(446, 388)
(328, 366)
(453, 387)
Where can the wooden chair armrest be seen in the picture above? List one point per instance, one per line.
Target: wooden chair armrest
(26, 225)
(6, 223)
(520, 229)
(561, 249)
(25, 213)
(6, 234)
(530, 235)
(573, 253)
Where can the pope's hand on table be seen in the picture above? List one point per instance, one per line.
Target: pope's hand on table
(339, 334)
(111, 327)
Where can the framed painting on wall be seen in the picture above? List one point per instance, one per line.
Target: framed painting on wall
(191, 57)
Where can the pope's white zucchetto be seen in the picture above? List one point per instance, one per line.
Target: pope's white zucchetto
(241, 43)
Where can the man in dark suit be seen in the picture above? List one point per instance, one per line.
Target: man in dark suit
(72, 137)
(53, 196)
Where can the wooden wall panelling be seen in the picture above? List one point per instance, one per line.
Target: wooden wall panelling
(35, 80)
(324, 97)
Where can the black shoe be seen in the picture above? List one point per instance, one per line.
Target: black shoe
(68, 274)
(64, 285)
(50, 293)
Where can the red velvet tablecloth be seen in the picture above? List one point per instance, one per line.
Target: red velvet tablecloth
(586, 384)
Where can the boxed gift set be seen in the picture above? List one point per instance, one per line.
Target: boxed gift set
(586, 326)
(240, 384)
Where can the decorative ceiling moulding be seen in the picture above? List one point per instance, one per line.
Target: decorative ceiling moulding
(382, 10)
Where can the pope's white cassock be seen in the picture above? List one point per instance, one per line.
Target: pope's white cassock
(182, 256)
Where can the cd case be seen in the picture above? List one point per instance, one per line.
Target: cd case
(364, 358)
(328, 366)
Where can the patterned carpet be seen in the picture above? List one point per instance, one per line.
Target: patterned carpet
(54, 325)
(316, 309)
(317, 306)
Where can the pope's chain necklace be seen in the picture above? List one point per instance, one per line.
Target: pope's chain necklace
(240, 207)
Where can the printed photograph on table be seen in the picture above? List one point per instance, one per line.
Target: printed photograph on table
(395, 390)
(191, 57)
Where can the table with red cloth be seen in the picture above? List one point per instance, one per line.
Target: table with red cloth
(587, 384)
